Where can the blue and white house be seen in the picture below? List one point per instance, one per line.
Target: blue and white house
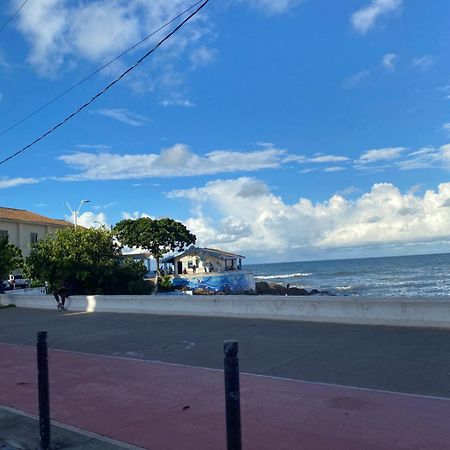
(209, 270)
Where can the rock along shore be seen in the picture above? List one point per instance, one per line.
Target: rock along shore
(264, 288)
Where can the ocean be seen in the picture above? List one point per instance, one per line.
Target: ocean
(419, 275)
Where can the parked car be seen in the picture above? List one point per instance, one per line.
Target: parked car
(17, 282)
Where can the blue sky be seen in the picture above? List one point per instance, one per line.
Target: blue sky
(283, 129)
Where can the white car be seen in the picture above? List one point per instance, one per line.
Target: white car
(17, 282)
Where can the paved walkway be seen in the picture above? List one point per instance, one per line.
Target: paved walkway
(164, 406)
(20, 431)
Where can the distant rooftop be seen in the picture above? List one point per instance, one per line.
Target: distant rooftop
(22, 215)
(203, 251)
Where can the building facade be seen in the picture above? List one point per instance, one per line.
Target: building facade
(207, 270)
(24, 228)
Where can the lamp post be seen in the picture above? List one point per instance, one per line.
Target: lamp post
(75, 213)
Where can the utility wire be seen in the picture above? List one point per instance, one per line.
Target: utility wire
(129, 49)
(17, 11)
(109, 86)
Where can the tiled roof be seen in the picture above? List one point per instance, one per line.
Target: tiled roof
(21, 215)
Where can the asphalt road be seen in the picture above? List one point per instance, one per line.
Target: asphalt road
(410, 360)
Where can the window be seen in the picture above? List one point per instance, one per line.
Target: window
(4, 234)
(33, 238)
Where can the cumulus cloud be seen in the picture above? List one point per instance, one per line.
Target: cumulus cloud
(13, 182)
(124, 116)
(380, 154)
(134, 215)
(89, 219)
(175, 161)
(364, 19)
(242, 223)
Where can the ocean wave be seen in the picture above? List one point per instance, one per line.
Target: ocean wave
(283, 275)
(344, 288)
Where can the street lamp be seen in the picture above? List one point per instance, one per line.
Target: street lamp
(75, 213)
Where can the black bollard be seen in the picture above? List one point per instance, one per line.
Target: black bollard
(43, 391)
(232, 395)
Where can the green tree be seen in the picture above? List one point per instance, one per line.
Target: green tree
(10, 258)
(88, 258)
(157, 236)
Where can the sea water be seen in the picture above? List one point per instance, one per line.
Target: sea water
(419, 275)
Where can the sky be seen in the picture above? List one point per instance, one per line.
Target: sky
(283, 130)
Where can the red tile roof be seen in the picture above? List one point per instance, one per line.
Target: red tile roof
(21, 215)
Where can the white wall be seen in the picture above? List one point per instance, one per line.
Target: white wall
(421, 312)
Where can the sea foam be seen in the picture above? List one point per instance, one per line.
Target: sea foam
(283, 275)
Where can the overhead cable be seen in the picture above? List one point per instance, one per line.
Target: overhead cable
(129, 49)
(17, 11)
(109, 86)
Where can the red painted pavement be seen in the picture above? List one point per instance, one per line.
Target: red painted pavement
(141, 403)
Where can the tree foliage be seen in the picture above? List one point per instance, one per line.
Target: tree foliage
(10, 258)
(86, 258)
(158, 236)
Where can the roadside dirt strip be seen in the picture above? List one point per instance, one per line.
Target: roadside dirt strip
(163, 406)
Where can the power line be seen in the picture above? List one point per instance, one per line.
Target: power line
(17, 11)
(129, 49)
(109, 86)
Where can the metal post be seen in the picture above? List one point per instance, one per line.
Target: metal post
(232, 395)
(43, 391)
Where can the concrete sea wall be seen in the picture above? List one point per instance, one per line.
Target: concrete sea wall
(421, 312)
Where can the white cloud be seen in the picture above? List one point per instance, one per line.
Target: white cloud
(427, 158)
(446, 90)
(177, 102)
(202, 56)
(381, 216)
(63, 34)
(423, 63)
(175, 161)
(309, 170)
(380, 154)
(13, 182)
(273, 6)
(364, 19)
(446, 128)
(328, 159)
(89, 219)
(124, 116)
(134, 215)
(105, 206)
(334, 169)
(349, 190)
(93, 146)
(389, 60)
(356, 78)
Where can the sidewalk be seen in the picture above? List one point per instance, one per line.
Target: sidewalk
(162, 406)
(19, 431)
